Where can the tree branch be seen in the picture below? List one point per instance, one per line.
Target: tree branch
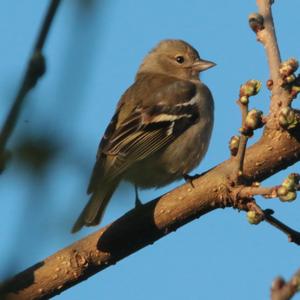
(35, 70)
(144, 226)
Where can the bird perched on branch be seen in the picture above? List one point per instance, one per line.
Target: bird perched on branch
(160, 130)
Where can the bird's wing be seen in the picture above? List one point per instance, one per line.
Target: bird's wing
(147, 129)
(99, 167)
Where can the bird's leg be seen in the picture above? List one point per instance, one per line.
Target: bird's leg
(189, 178)
(138, 202)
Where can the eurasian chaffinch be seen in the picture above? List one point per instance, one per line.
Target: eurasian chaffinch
(161, 128)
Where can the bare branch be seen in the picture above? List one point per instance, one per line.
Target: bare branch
(255, 215)
(250, 121)
(243, 142)
(251, 191)
(293, 235)
(152, 221)
(35, 70)
(267, 37)
(52, 9)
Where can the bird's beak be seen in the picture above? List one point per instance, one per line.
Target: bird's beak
(202, 65)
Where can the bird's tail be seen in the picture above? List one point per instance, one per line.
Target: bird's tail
(94, 210)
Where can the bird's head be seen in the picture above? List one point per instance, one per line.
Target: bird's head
(175, 58)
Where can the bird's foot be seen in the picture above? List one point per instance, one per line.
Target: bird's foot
(138, 203)
(189, 178)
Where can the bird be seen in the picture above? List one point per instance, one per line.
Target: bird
(160, 130)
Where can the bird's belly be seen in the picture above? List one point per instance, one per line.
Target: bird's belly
(169, 164)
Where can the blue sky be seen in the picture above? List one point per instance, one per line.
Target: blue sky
(93, 51)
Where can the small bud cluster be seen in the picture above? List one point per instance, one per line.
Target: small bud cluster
(288, 68)
(287, 118)
(254, 120)
(253, 217)
(234, 144)
(256, 22)
(248, 89)
(289, 80)
(287, 191)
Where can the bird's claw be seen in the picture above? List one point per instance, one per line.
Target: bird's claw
(189, 178)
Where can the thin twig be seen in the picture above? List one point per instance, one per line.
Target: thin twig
(293, 235)
(240, 157)
(250, 191)
(35, 70)
(241, 154)
(282, 290)
(46, 25)
(267, 37)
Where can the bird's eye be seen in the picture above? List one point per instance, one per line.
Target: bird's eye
(180, 59)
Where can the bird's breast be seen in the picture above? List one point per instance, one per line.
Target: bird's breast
(183, 154)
